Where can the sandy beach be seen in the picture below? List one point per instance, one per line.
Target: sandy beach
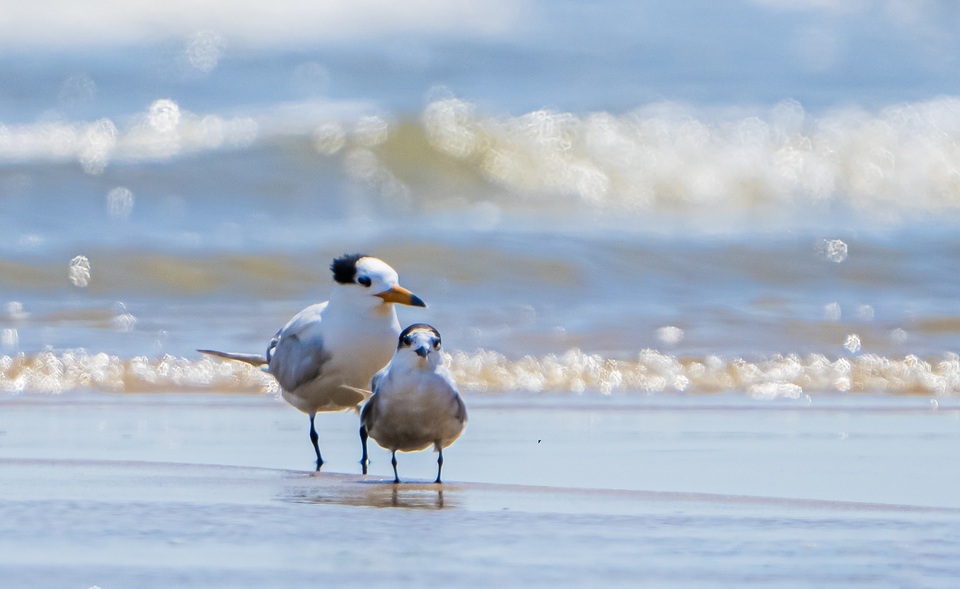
(200, 490)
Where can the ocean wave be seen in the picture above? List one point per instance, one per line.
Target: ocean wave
(671, 157)
(488, 373)
(164, 131)
(666, 158)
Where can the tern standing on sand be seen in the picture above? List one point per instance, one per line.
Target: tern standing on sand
(326, 354)
(415, 403)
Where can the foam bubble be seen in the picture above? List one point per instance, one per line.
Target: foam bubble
(15, 311)
(203, 51)
(163, 115)
(9, 339)
(122, 320)
(852, 343)
(775, 390)
(95, 145)
(364, 166)
(120, 202)
(833, 250)
(899, 336)
(832, 312)
(329, 138)
(450, 128)
(80, 271)
(670, 335)
(371, 131)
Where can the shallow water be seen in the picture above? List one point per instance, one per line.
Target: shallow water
(154, 490)
(868, 449)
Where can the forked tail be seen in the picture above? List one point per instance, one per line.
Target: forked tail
(253, 359)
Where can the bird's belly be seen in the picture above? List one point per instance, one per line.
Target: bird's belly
(335, 388)
(321, 395)
(413, 428)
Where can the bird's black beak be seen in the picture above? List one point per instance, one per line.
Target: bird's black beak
(422, 351)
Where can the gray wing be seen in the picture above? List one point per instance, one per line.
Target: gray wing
(461, 413)
(376, 380)
(294, 361)
(369, 413)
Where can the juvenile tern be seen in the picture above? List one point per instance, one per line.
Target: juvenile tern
(328, 350)
(415, 403)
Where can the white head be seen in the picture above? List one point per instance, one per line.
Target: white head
(419, 344)
(370, 280)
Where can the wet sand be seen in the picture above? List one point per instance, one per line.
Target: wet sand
(198, 490)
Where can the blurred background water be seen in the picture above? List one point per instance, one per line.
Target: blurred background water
(616, 197)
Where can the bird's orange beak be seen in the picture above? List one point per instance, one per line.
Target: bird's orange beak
(398, 294)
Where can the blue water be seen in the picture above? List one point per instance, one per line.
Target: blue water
(512, 57)
(553, 178)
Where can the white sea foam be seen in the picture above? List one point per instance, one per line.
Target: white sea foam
(50, 372)
(673, 157)
(664, 157)
(711, 165)
(489, 372)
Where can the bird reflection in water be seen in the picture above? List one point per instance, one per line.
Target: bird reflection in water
(373, 494)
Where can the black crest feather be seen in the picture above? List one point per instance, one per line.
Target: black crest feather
(345, 267)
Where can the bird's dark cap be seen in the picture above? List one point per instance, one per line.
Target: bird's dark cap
(415, 327)
(345, 267)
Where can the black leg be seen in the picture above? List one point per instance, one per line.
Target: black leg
(364, 460)
(315, 438)
(439, 465)
(393, 461)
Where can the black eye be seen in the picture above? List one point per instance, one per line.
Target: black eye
(407, 340)
(436, 344)
(364, 280)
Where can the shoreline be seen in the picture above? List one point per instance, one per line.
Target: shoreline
(370, 491)
(877, 450)
(210, 491)
(69, 523)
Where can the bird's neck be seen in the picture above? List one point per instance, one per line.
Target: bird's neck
(417, 364)
(369, 307)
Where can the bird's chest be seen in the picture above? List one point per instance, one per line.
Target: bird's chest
(360, 353)
(412, 396)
